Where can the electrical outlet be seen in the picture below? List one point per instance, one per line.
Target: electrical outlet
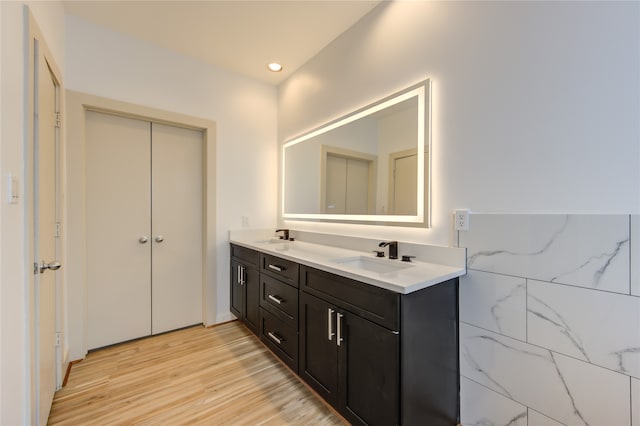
(461, 220)
(245, 221)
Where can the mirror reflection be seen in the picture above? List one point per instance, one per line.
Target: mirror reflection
(370, 166)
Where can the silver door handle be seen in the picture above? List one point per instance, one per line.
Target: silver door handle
(276, 299)
(159, 239)
(240, 275)
(143, 239)
(339, 338)
(330, 332)
(53, 266)
(274, 337)
(276, 268)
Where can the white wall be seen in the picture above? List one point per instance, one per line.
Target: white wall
(535, 113)
(14, 266)
(112, 65)
(535, 104)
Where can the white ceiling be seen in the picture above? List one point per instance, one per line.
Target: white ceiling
(241, 36)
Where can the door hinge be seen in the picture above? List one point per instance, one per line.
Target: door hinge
(58, 119)
(57, 338)
(58, 229)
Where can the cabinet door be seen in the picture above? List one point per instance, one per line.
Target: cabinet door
(252, 299)
(318, 357)
(237, 290)
(245, 294)
(368, 372)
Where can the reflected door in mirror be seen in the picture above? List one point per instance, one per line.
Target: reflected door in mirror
(347, 185)
(404, 185)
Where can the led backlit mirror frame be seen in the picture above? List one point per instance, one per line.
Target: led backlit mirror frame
(422, 91)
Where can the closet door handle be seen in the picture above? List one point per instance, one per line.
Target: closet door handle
(143, 239)
(159, 239)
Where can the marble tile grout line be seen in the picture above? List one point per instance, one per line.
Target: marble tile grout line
(555, 283)
(535, 345)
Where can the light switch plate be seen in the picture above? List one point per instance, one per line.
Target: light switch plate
(12, 189)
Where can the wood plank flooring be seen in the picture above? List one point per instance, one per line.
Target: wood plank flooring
(209, 376)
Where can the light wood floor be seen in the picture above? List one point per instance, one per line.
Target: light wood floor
(210, 376)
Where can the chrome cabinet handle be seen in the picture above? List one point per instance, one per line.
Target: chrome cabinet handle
(276, 299)
(330, 332)
(159, 238)
(276, 268)
(339, 338)
(274, 337)
(143, 239)
(52, 266)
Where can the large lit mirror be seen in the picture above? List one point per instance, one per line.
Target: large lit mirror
(371, 166)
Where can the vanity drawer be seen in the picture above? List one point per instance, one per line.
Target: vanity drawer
(376, 304)
(280, 338)
(284, 270)
(247, 256)
(280, 299)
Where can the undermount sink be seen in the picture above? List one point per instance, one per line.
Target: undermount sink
(373, 264)
(272, 241)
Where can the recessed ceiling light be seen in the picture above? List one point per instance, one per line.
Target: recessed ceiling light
(275, 67)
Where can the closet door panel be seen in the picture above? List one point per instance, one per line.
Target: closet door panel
(177, 264)
(118, 215)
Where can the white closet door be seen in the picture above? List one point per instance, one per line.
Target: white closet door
(357, 191)
(118, 216)
(177, 158)
(405, 185)
(336, 185)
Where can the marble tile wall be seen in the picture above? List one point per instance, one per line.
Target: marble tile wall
(550, 320)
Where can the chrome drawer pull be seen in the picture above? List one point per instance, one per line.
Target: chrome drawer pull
(275, 338)
(330, 332)
(276, 268)
(276, 299)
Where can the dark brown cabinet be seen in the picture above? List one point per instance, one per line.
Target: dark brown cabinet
(279, 307)
(377, 356)
(380, 357)
(350, 361)
(245, 286)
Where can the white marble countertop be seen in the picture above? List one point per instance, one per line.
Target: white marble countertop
(398, 276)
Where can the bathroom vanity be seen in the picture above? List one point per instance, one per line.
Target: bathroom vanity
(376, 338)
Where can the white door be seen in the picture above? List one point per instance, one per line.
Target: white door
(357, 192)
(336, 186)
(45, 238)
(347, 185)
(177, 160)
(118, 228)
(144, 215)
(405, 185)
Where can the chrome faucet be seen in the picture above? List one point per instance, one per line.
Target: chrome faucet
(393, 248)
(285, 235)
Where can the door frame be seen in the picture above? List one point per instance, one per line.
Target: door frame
(37, 45)
(76, 105)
